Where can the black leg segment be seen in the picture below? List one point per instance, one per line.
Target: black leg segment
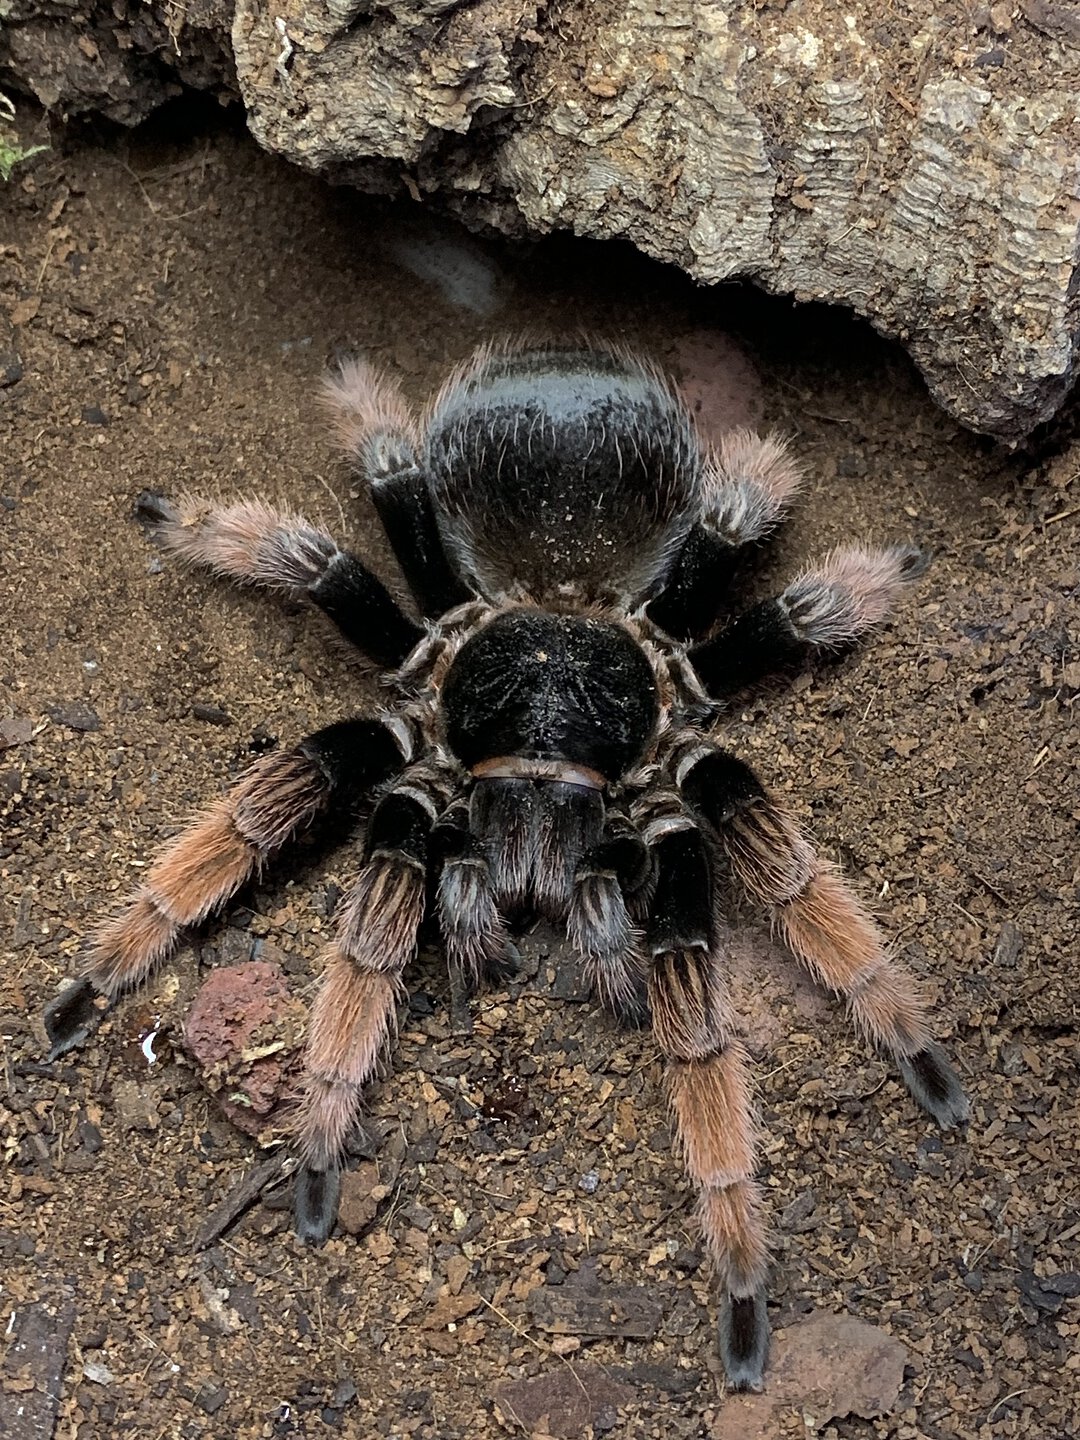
(932, 1081)
(73, 1016)
(744, 1339)
(680, 914)
(688, 605)
(408, 517)
(364, 611)
(755, 644)
(356, 756)
(718, 785)
(316, 1194)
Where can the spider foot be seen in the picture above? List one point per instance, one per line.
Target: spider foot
(153, 508)
(315, 1203)
(500, 969)
(932, 1080)
(462, 989)
(744, 1339)
(632, 1011)
(73, 1017)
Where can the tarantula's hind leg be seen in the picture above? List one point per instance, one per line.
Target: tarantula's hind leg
(747, 486)
(209, 861)
(381, 440)
(709, 1092)
(822, 924)
(354, 1016)
(826, 608)
(252, 542)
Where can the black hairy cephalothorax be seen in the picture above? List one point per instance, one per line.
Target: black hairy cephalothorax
(545, 750)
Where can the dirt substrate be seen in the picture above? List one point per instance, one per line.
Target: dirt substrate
(173, 305)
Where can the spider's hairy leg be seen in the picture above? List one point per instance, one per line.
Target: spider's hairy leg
(473, 931)
(354, 1016)
(822, 923)
(599, 925)
(214, 856)
(709, 1091)
(381, 440)
(256, 543)
(748, 482)
(828, 608)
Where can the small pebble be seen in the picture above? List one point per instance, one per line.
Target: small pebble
(18, 730)
(11, 369)
(212, 714)
(210, 1399)
(344, 1394)
(90, 1136)
(589, 1182)
(75, 716)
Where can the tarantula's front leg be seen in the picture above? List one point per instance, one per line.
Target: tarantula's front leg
(253, 542)
(747, 486)
(709, 1092)
(822, 923)
(826, 608)
(354, 1015)
(209, 861)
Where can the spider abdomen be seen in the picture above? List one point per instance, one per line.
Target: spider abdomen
(551, 687)
(556, 471)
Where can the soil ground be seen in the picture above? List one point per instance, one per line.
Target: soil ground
(173, 305)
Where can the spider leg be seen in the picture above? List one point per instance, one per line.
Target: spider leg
(826, 608)
(253, 542)
(210, 860)
(471, 924)
(381, 440)
(600, 926)
(709, 1092)
(747, 486)
(354, 1016)
(822, 923)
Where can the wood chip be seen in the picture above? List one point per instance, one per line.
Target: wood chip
(239, 1199)
(625, 1310)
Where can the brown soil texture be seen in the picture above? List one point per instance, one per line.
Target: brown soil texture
(173, 304)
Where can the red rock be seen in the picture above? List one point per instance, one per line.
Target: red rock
(245, 1030)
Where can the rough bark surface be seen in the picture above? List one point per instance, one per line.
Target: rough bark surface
(918, 162)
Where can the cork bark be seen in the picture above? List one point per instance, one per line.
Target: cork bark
(917, 162)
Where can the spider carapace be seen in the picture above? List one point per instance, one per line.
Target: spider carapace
(546, 748)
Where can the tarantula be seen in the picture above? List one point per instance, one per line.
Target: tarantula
(568, 537)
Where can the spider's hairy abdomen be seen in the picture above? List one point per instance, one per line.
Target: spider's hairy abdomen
(561, 471)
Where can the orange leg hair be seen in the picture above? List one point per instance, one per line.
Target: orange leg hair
(716, 1132)
(219, 852)
(824, 926)
(206, 864)
(354, 1017)
(708, 1087)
